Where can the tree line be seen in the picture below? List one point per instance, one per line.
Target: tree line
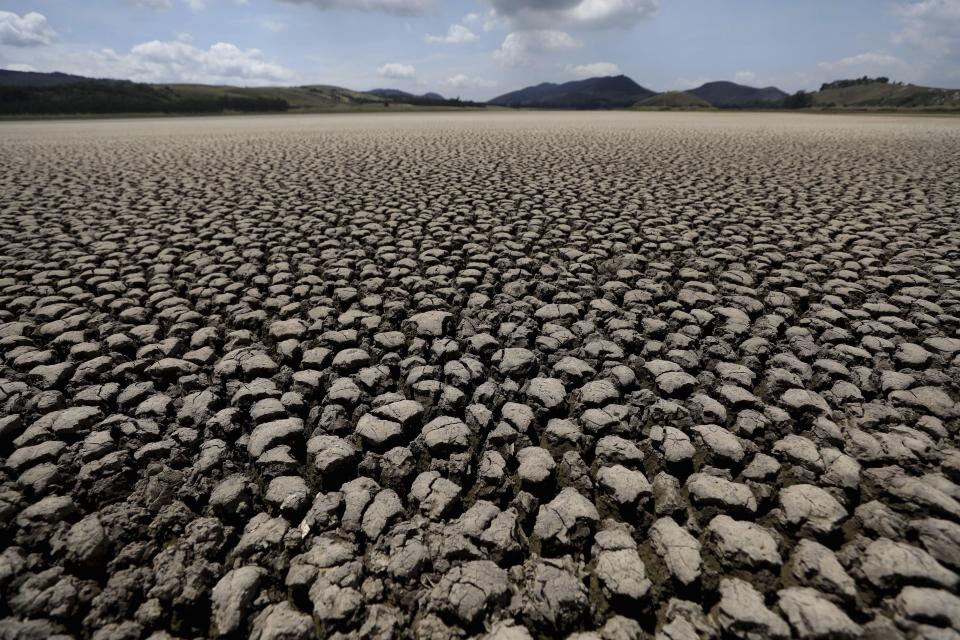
(122, 97)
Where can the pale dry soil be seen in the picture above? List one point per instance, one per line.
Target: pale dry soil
(506, 375)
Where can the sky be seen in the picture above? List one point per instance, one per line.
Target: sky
(477, 49)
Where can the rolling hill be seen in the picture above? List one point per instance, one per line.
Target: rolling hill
(303, 97)
(730, 95)
(608, 92)
(673, 100)
(11, 78)
(35, 93)
(403, 96)
(29, 93)
(886, 95)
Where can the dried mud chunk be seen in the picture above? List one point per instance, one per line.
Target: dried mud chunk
(282, 621)
(676, 384)
(708, 490)
(378, 433)
(87, 543)
(289, 494)
(810, 509)
(434, 494)
(260, 534)
(804, 401)
(567, 521)
(680, 550)
(230, 496)
(536, 466)
(812, 616)
(622, 575)
(745, 544)
(685, 620)
(26, 457)
(677, 446)
(929, 606)
(817, 566)
(271, 434)
(445, 435)
(385, 507)
(887, 564)
(552, 596)
(548, 393)
(468, 591)
(743, 614)
(626, 487)
(515, 361)
(432, 324)
(941, 539)
(232, 596)
(932, 400)
(722, 444)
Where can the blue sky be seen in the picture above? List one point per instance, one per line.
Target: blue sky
(481, 48)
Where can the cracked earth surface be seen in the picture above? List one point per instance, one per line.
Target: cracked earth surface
(527, 375)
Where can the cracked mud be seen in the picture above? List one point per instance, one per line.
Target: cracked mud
(525, 375)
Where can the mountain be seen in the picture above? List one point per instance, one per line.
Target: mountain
(397, 94)
(28, 93)
(672, 100)
(112, 96)
(728, 95)
(302, 97)
(608, 92)
(880, 93)
(11, 78)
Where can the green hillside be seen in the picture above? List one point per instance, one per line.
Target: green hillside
(887, 95)
(305, 97)
(43, 94)
(673, 100)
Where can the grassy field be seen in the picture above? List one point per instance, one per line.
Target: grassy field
(887, 96)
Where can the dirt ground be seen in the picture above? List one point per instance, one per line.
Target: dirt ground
(507, 375)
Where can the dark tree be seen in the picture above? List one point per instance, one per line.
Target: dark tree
(800, 100)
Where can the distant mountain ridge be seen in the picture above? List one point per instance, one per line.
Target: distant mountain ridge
(608, 92)
(11, 78)
(726, 95)
(612, 92)
(37, 93)
(397, 94)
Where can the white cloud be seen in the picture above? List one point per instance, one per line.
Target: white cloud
(196, 5)
(744, 77)
(470, 18)
(20, 66)
(518, 46)
(592, 70)
(151, 4)
(493, 21)
(586, 14)
(178, 61)
(394, 7)
(862, 61)
(397, 71)
(933, 25)
(462, 81)
(456, 34)
(29, 30)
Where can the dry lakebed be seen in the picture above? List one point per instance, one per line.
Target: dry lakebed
(482, 375)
